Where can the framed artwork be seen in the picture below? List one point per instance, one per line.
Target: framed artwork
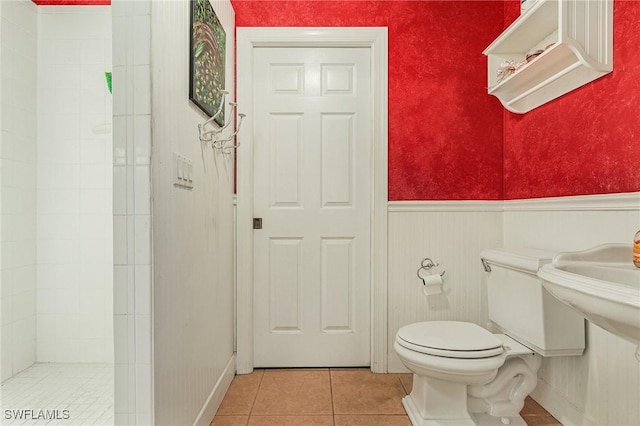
(207, 59)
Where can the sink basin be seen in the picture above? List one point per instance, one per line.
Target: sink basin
(602, 284)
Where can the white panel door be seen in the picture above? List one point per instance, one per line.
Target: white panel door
(312, 189)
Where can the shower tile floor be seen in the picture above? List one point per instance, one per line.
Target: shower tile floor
(77, 394)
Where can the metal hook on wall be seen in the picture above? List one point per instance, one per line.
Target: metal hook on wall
(210, 134)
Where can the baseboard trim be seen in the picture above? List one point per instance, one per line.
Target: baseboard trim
(208, 411)
(596, 202)
(395, 365)
(445, 206)
(559, 406)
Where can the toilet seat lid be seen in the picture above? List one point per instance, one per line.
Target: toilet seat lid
(453, 339)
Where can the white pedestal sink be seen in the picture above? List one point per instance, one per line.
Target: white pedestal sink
(602, 284)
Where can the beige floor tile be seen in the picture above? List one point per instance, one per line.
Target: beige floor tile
(541, 420)
(362, 392)
(241, 394)
(230, 421)
(372, 420)
(407, 381)
(301, 397)
(298, 392)
(291, 421)
(532, 407)
(535, 415)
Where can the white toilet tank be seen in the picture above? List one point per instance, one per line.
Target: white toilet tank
(521, 307)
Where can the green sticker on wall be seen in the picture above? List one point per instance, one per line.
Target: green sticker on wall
(107, 77)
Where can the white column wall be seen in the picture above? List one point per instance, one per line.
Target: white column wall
(18, 158)
(192, 231)
(132, 212)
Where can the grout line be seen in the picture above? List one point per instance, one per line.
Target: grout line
(333, 408)
(255, 397)
(406, 391)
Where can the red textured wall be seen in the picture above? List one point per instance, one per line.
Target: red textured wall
(445, 132)
(588, 141)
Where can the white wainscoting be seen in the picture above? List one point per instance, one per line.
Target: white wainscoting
(452, 233)
(602, 387)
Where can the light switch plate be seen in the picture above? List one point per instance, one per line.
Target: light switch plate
(182, 171)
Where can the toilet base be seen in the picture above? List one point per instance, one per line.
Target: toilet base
(483, 419)
(417, 420)
(436, 402)
(475, 419)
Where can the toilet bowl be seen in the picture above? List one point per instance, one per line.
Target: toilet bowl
(464, 375)
(460, 374)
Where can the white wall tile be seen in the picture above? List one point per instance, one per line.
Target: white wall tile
(93, 201)
(143, 339)
(142, 89)
(46, 301)
(67, 350)
(46, 326)
(74, 245)
(120, 240)
(143, 290)
(119, 190)
(142, 240)
(120, 38)
(119, 140)
(67, 326)
(94, 52)
(120, 333)
(143, 391)
(92, 151)
(7, 310)
(122, 386)
(124, 103)
(142, 190)
(142, 137)
(18, 95)
(46, 349)
(142, 40)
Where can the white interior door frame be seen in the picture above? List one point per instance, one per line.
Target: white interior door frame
(374, 38)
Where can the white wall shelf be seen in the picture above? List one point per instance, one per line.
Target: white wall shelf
(577, 39)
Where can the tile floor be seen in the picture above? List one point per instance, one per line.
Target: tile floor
(318, 397)
(85, 391)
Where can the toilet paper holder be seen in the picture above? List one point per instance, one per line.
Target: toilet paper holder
(426, 265)
(431, 282)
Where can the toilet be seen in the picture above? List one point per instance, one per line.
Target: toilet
(463, 374)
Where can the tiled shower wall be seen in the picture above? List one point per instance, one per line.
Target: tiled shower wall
(74, 202)
(132, 211)
(18, 153)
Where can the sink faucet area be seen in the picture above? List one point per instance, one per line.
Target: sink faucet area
(602, 284)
